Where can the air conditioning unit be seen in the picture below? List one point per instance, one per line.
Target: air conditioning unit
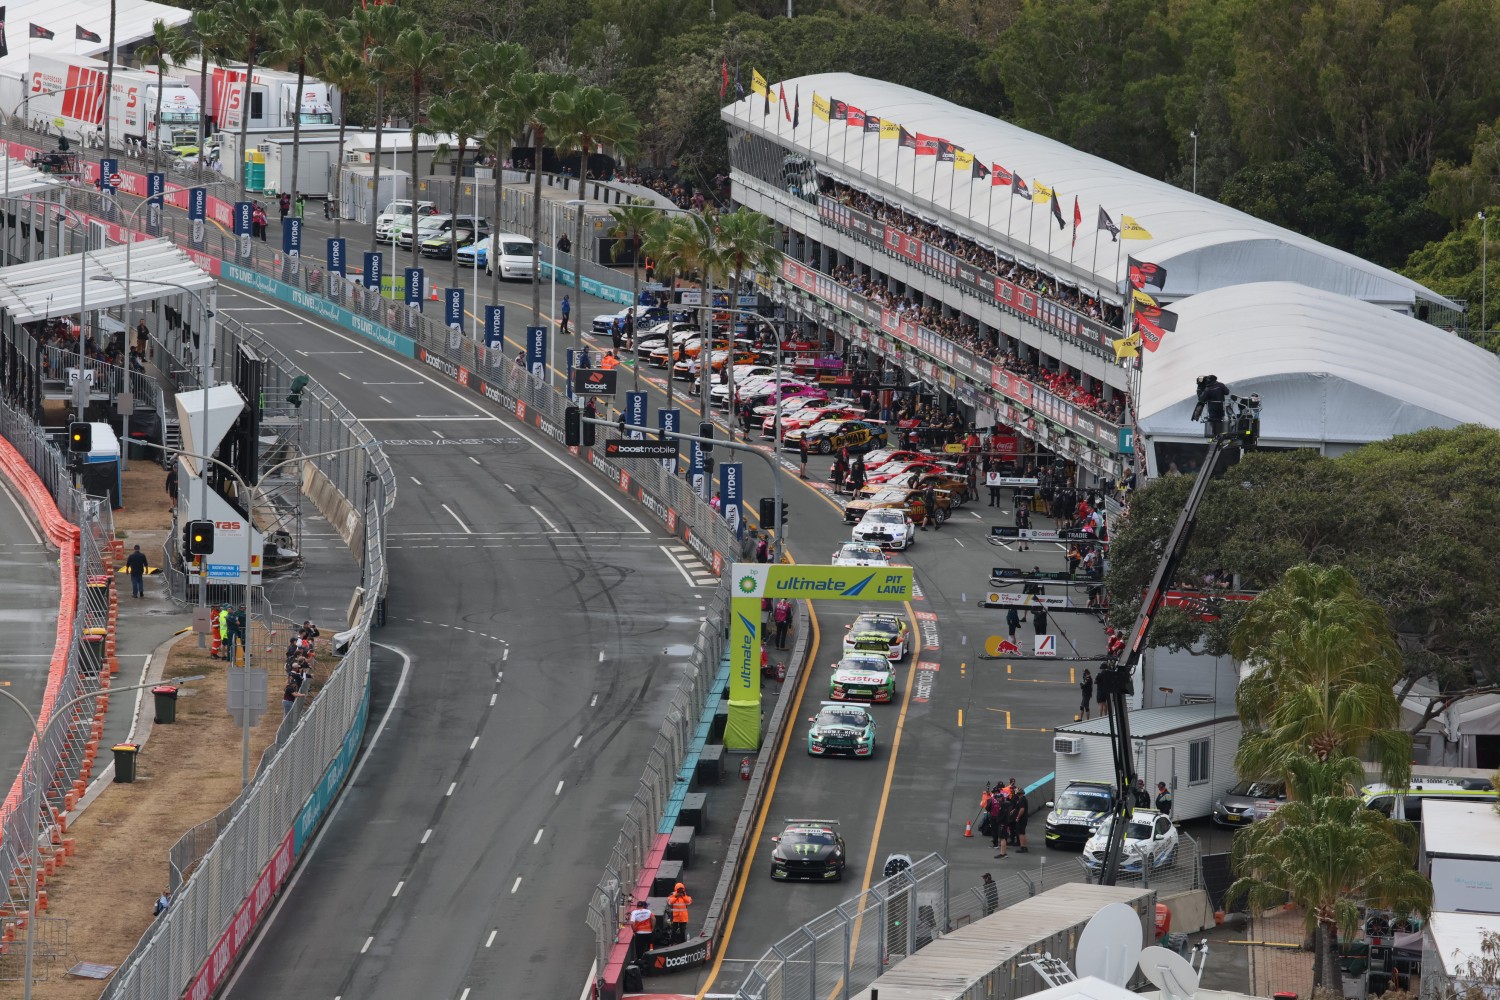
(1067, 744)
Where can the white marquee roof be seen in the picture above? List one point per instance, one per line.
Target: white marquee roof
(133, 21)
(1327, 368)
(43, 289)
(1201, 243)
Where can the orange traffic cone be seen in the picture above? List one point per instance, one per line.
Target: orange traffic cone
(434, 296)
(968, 828)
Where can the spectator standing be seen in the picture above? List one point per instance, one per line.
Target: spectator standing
(301, 205)
(1086, 687)
(171, 484)
(802, 453)
(289, 695)
(1013, 620)
(284, 204)
(236, 631)
(991, 894)
(1020, 808)
(1142, 797)
(1163, 799)
(136, 563)
(994, 486)
(1039, 620)
(782, 616)
(567, 314)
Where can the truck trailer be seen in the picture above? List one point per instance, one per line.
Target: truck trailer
(273, 100)
(65, 95)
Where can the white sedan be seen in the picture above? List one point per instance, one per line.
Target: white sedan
(1150, 840)
(887, 527)
(860, 554)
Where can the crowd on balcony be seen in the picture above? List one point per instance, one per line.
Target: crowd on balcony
(970, 251)
(1088, 394)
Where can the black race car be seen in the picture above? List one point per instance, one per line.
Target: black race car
(808, 849)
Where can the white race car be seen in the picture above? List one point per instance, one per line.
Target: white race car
(860, 554)
(887, 527)
(1150, 840)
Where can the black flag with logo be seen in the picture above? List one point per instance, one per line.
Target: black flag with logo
(37, 31)
(82, 34)
(4, 46)
(1143, 273)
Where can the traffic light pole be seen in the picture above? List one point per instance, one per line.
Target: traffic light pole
(773, 463)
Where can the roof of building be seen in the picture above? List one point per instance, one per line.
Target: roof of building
(43, 289)
(63, 18)
(1148, 722)
(1201, 243)
(1327, 368)
(1460, 829)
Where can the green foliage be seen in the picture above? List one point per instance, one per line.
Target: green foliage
(1451, 267)
(1401, 515)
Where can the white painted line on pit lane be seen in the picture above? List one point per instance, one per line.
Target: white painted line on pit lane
(385, 401)
(558, 789)
(426, 835)
(515, 885)
(601, 656)
(509, 487)
(346, 375)
(368, 941)
(437, 434)
(415, 480)
(397, 890)
(492, 700)
(451, 787)
(593, 701)
(577, 741)
(504, 655)
(975, 513)
(538, 838)
(473, 459)
(960, 544)
(457, 518)
(545, 519)
(677, 565)
(500, 676)
(474, 743)
(464, 995)
(491, 939)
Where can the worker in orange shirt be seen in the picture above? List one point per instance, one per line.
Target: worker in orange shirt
(678, 903)
(610, 362)
(643, 927)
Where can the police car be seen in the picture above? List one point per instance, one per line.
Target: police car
(874, 631)
(863, 676)
(860, 554)
(808, 849)
(888, 527)
(841, 729)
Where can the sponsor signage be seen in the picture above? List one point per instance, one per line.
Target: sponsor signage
(291, 242)
(669, 421)
(631, 448)
(243, 228)
(453, 308)
(997, 599)
(593, 382)
(338, 256)
(995, 479)
(198, 215)
(732, 496)
(536, 344)
(374, 268)
(414, 287)
(1043, 534)
(109, 175)
(156, 186)
(635, 413)
(697, 478)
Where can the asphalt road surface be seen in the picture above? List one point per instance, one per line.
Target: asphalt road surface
(28, 625)
(536, 631)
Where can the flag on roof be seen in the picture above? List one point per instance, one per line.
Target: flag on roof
(723, 75)
(1001, 176)
(822, 107)
(781, 96)
(840, 109)
(1105, 222)
(1143, 273)
(1077, 219)
(1019, 187)
(857, 119)
(1132, 230)
(1127, 347)
(927, 145)
(906, 139)
(1057, 211)
(37, 31)
(980, 170)
(963, 160)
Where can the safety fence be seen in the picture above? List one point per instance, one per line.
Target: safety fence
(639, 830)
(60, 757)
(842, 951)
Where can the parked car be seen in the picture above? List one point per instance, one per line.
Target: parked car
(515, 256)
(439, 246)
(1151, 842)
(1236, 807)
(1077, 813)
(828, 436)
(888, 527)
(399, 213)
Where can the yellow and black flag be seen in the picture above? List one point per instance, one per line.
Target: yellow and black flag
(822, 109)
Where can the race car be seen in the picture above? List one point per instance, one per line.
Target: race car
(828, 436)
(860, 554)
(955, 485)
(1150, 841)
(865, 674)
(876, 627)
(890, 470)
(808, 849)
(841, 729)
(1077, 813)
(903, 499)
(880, 456)
(804, 418)
(886, 527)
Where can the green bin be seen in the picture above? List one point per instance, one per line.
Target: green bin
(125, 762)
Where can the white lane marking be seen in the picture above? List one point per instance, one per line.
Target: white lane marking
(960, 544)
(385, 401)
(588, 983)
(677, 565)
(504, 655)
(457, 518)
(538, 838)
(593, 701)
(474, 743)
(491, 939)
(451, 787)
(601, 656)
(397, 891)
(515, 885)
(474, 460)
(437, 434)
(346, 375)
(509, 487)
(332, 813)
(501, 675)
(577, 741)
(427, 835)
(25, 514)
(545, 519)
(492, 700)
(558, 789)
(371, 352)
(464, 995)
(975, 513)
(415, 480)
(368, 941)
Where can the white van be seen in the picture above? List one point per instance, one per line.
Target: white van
(514, 255)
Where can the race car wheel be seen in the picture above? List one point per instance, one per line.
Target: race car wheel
(942, 515)
(825, 446)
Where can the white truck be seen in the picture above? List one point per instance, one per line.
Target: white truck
(273, 100)
(66, 95)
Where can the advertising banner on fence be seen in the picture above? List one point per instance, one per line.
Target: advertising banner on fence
(243, 229)
(198, 215)
(453, 308)
(373, 269)
(414, 287)
(156, 186)
(291, 243)
(635, 414)
(536, 351)
(732, 496)
(697, 478)
(669, 421)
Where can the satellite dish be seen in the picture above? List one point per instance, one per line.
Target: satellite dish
(1110, 944)
(1171, 973)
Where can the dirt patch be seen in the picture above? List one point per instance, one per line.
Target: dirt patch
(186, 773)
(147, 506)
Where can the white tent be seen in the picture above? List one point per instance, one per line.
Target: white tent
(1201, 243)
(64, 18)
(1333, 373)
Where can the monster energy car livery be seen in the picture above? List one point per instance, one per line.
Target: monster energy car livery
(875, 632)
(841, 729)
(808, 849)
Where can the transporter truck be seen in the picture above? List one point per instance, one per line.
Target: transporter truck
(65, 96)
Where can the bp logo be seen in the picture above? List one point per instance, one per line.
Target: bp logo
(747, 584)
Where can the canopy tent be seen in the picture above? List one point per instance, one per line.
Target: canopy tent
(59, 286)
(20, 180)
(1332, 372)
(63, 18)
(1201, 243)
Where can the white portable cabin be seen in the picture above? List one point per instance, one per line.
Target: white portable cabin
(1190, 747)
(1461, 855)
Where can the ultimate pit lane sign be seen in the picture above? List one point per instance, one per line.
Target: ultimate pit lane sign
(630, 448)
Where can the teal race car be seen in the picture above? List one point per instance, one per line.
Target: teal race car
(841, 730)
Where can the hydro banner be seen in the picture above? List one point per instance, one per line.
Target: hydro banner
(243, 228)
(373, 271)
(453, 308)
(536, 351)
(413, 277)
(750, 582)
(697, 479)
(732, 496)
(291, 243)
(669, 421)
(338, 266)
(198, 215)
(156, 186)
(635, 414)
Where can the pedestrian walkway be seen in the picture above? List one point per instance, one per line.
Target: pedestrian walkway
(29, 598)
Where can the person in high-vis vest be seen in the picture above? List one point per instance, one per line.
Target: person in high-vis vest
(678, 904)
(223, 624)
(643, 927)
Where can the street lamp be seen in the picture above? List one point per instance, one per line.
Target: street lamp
(1194, 134)
(577, 286)
(1484, 279)
(33, 810)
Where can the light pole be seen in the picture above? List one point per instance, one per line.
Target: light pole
(33, 810)
(552, 308)
(1194, 134)
(1484, 279)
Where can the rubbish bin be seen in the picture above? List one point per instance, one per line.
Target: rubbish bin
(166, 703)
(125, 761)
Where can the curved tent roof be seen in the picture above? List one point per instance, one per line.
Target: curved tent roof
(1201, 243)
(1328, 368)
(63, 18)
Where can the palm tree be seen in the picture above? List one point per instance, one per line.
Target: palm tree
(700, 246)
(167, 47)
(581, 118)
(1330, 855)
(211, 26)
(421, 58)
(632, 222)
(299, 37)
(525, 109)
(459, 113)
(346, 70)
(751, 242)
(660, 242)
(249, 23)
(367, 31)
(1324, 665)
(493, 67)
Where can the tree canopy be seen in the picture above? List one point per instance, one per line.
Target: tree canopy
(1408, 518)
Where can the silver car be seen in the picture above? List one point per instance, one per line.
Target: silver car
(1236, 807)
